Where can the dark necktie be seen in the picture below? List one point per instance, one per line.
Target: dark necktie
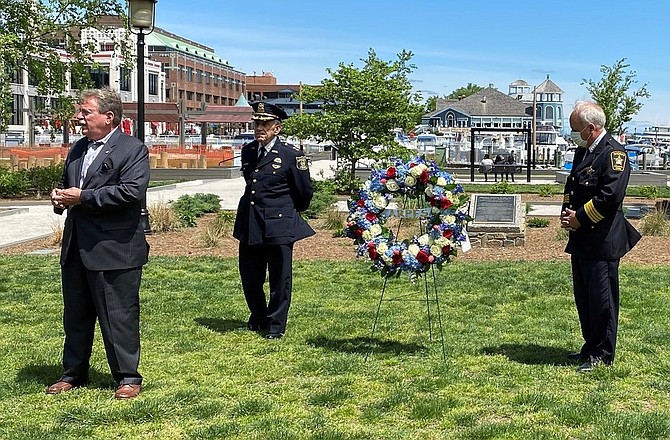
(261, 152)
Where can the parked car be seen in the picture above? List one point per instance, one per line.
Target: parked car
(242, 139)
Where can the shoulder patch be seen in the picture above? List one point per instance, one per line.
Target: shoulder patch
(618, 159)
(301, 163)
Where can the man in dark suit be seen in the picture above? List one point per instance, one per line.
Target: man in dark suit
(268, 222)
(599, 233)
(104, 247)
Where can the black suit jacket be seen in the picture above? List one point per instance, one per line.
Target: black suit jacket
(107, 224)
(278, 187)
(595, 189)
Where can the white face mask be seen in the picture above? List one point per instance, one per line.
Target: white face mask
(576, 137)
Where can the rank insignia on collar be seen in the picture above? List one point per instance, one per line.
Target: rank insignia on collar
(618, 159)
(276, 166)
(590, 171)
(301, 163)
(277, 159)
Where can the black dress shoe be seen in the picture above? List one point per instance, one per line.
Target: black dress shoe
(590, 364)
(255, 327)
(577, 357)
(274, 335)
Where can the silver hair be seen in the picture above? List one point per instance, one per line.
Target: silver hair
(108, 101)
(590, 113)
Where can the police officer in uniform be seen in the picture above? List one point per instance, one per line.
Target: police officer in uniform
(599, 235)
(268, 222)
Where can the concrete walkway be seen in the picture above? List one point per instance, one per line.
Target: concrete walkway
(21, 222)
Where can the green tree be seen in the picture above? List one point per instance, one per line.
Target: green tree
(613, 94)
(463, 92)
(361, 107)
(34, 36)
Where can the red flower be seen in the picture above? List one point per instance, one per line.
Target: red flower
(448, 233)
(424, 257)
(358, 232)
(391, 173)
(397, 257)
(424, 177)
(372, 251)
(371, 216)
(445, 203)
(412, 165)
(360, 203)
(446, 249)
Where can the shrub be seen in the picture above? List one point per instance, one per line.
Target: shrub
(655, 223)
(649, 191)
(162, 218)
(334, 221)
(324, 197)
(502, 187)
(13, 184)
(536, 222)
(44, 179)
(220, 226)
(546, 190)
(189, 208)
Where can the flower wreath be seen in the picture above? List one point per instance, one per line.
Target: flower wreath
(444, 220)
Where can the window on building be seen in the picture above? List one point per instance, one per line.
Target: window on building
(189, 73)
(16, 110)
(198, 97)
(189, 96)
(216, 80)
(153, 84)
(124, 79)
(215, 100)
(199, 76)
(208, 98)
(181, 94)
(208, 78)
(181, 72)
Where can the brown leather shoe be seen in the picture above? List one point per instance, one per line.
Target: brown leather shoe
(128, 391)
(59, 387)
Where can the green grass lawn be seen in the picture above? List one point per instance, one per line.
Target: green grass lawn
(507, 327)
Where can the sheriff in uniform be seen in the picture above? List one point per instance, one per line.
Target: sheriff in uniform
(599, 234)
(268, 222)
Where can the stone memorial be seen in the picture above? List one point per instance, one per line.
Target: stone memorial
(499, 220)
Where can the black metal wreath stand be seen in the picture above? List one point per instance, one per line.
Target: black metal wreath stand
(430, 287)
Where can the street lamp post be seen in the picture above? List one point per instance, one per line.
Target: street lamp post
(141, 15)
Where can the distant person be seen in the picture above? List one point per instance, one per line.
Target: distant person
(599, 234)
(486, 166)
(498, 166)
(510, 167)
(103, 250)
(278, 187)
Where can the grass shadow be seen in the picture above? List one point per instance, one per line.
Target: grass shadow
(364, 345)
(221, 325)
(48, 374)
(531, 354)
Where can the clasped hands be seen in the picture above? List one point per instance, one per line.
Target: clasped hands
(569, 220)
(60, 198)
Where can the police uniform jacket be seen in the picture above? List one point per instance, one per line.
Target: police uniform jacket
(278, 187)
(595, 189)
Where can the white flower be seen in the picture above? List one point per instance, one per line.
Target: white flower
(367, 235)
(417, 170)
(375, 230)
(425, 239)
(410, 180)
(436, 250)
(380, 201)
(441, 241)
(413, 249)
(441, 181)
(429, 190)
(449, 219)
(392, 185)
(382, 247)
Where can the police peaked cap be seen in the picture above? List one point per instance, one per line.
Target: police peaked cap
(264, 111)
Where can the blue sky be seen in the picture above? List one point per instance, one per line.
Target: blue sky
(454, 42)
